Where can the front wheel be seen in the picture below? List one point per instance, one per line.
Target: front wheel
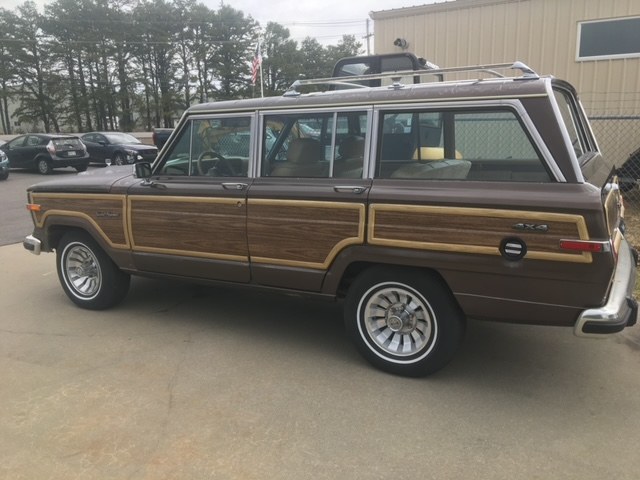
(118, 159)
(87, 275)
(403, 321)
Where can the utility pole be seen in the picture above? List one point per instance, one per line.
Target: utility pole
(368, 36)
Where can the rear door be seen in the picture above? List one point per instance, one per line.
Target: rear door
(189, 218)
(97, 151)
(473, 192)
(34, 145)
(307, 205)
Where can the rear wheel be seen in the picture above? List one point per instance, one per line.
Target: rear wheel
(403, 321)
(87, 274)
(81, 168)
(44, 166)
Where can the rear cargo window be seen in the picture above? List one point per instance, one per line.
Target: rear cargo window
(66, 142)
(489, 145)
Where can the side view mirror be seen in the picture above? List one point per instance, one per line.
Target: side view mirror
(143, 170)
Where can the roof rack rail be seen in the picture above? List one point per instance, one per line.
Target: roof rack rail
(349, 80)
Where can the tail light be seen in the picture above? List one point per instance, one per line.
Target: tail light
(585, 246)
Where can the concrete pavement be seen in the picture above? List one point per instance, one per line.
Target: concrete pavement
(184, 382)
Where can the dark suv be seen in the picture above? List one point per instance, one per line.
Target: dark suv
(417, 205)
(44, 152)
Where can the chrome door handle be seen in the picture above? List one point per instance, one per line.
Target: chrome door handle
(234, 186)
(350, 189)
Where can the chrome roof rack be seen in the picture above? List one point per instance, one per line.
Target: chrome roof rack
(397, 75)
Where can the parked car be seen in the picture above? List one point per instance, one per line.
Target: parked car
(44, 152)
(416, 205)
(117, 148)
(629, 172)
(4, 166)
(160, 136)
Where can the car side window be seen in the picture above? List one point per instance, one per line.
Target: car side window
(33, 141)
(17, 142)
(488, 145)
(314, 145)
(212, 147)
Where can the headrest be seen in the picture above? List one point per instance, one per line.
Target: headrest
(352, 147)
(432, 153)
(304, 150)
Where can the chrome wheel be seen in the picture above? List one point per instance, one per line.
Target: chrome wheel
(397, 321)
(87, 274)
(82, 271)
(403, 320)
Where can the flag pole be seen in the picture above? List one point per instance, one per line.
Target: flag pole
(261, 82)
(257, 65)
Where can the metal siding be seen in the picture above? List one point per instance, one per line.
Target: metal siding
(541, 33)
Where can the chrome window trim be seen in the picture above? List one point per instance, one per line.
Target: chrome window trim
(336, 111)
(209, 116)
(565, 133)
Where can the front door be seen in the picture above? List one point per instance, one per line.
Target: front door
(189, 218)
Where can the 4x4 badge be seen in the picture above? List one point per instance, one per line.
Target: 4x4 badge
(531, 227)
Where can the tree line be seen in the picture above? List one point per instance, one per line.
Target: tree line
(83, 65)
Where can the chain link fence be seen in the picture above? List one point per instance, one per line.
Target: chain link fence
(619, 140)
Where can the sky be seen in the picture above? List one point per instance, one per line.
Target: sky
(325, 20)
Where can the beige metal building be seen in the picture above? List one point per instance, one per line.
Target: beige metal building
(594, 44)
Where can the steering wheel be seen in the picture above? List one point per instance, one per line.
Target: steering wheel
(222, 167)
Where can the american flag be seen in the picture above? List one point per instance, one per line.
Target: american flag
(257, 62)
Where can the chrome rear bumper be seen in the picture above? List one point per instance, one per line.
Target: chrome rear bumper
(621, 309)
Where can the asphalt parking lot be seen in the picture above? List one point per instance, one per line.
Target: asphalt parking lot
(186, 382)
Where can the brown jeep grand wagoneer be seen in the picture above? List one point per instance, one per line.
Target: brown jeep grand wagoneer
(418, 204)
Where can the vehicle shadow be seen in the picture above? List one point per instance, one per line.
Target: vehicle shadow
(491, 353)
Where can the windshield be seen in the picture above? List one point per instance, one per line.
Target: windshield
(121, 138)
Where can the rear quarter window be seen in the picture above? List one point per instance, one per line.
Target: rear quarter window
(488, 145)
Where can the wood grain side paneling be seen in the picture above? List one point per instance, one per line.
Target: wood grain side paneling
(302, 233)
(106, 213)
(469, 230)
(191, 226)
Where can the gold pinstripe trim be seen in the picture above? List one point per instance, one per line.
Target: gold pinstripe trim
(71, 213)
(358, 240)
(577, 220)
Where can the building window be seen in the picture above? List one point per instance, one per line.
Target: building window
(605, 39)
